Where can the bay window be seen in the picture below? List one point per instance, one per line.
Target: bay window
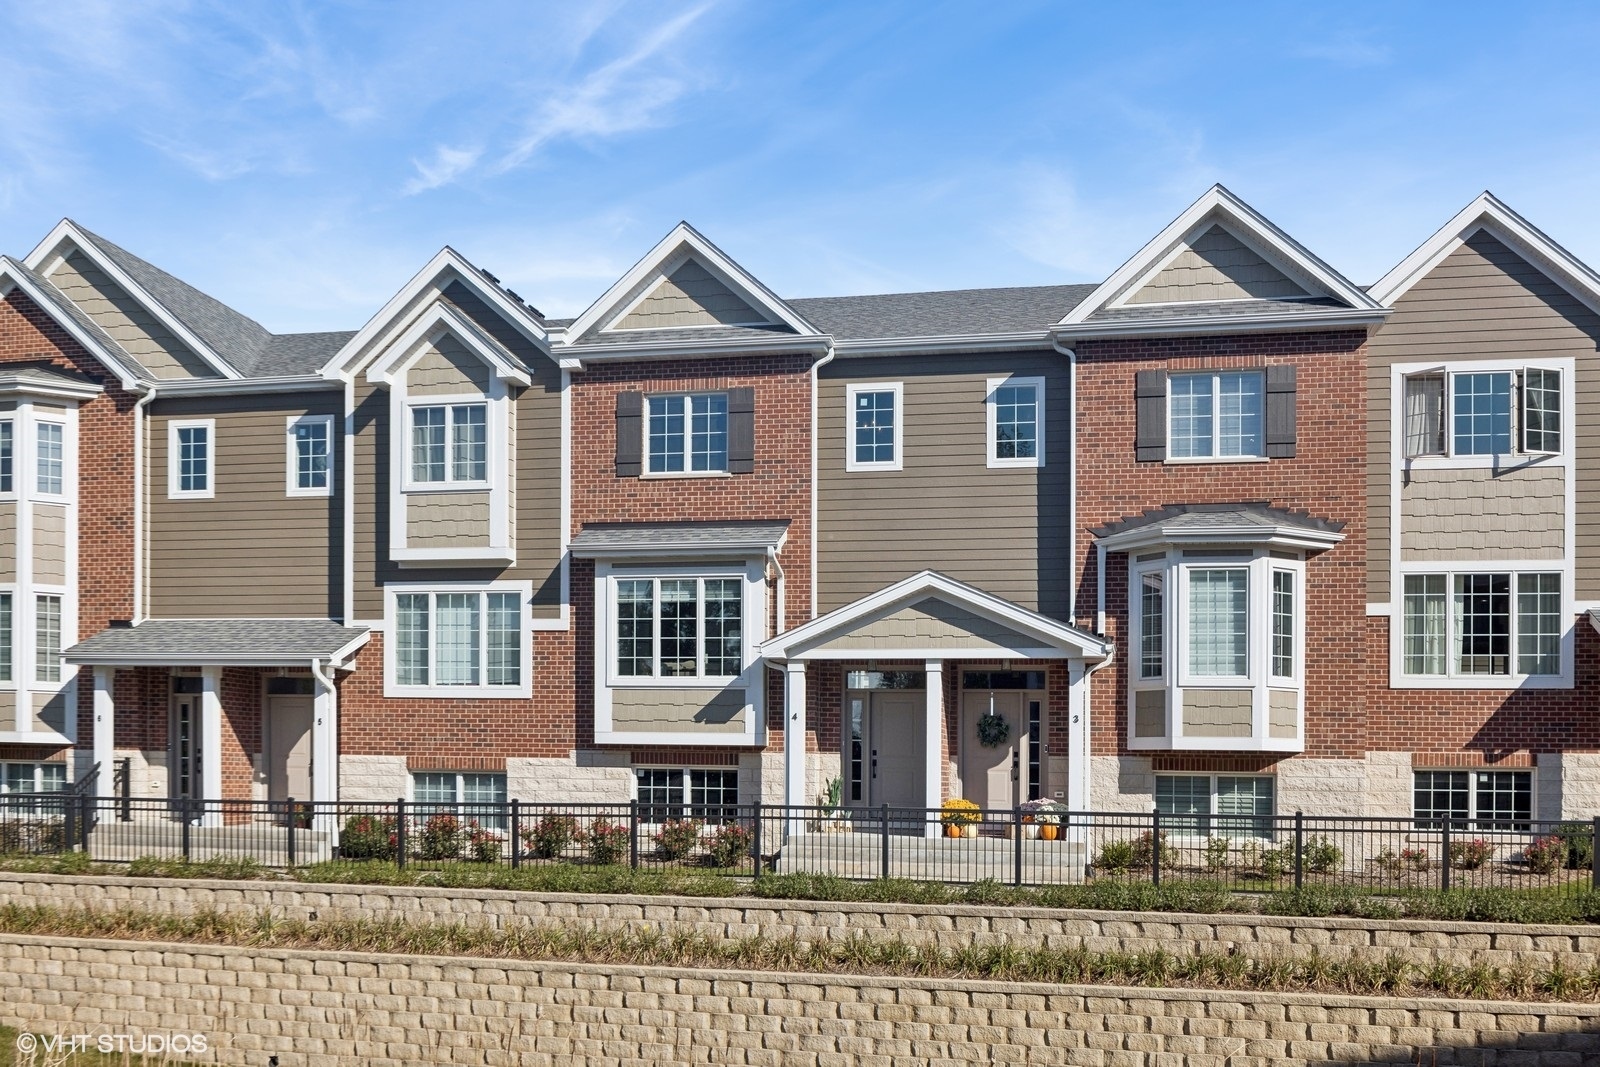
(463, 641)
(1490, 624)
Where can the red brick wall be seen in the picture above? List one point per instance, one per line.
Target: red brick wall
(1326, 477)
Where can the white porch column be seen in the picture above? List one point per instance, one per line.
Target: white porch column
(933, 746)
(794, 743)
(324, 749)
(211, 742)
(1078, 796)
(104, 722)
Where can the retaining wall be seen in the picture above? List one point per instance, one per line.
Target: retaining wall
(1419, 942)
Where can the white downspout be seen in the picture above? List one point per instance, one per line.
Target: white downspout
(140, 549)
(772, 557)
(815, 367)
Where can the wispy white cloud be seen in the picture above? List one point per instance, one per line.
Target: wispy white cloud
(1347, 50)
(445, 167)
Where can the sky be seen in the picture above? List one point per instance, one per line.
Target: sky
(301, 161)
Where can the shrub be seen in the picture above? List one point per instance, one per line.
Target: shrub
(1144, 850)
(677, 838)
(608, 841)
(11, 839)
(1321, 856)
(1579, 837)
(1545, 855)
(484, 845)
(1218, 849)
(958, 811)
(1470, 855)
(440, 838)
(1270, 863)
(1115, 857)
(367, 837)
(1415, 859)
(550, 835)
(731, 844)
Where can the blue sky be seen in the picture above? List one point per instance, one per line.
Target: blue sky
(300, 161)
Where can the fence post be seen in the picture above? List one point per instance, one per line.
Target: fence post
(400, 833)
(516, 834)
(69, 812)
(1594, 854)
(1155, 847)
(1016, 834)
(126, 792)
(186, 816)
(884, 873)
(1299, 849)
(87, 818)
(294, 817)
(633, 834)
(1444, 858)
(755, 843)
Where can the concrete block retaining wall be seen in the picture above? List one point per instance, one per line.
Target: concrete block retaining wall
(325, 1009)
(1421, 943)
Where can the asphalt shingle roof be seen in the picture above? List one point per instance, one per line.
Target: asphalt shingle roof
(946, 313)
(1216, 309)
(683, 335)
(186, 642)
(1197, 518)
(604, 538)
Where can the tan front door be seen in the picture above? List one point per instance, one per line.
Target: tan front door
(895, 750)
(289, 747)
(991, 774)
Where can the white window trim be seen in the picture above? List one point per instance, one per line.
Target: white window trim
(292, 472)
(174, 476)
(61, 423)
(1501, 460)
(16, 421)
(1398, 679)
(700, 681)
(63, 640)
(38, 775)
(850, 393)
(1212, 796)
(682, 773)
(688, 436)
(1472, 792)
(392, 688)
(1176, 678)
(492, 433)
(991, 407)
(1216, 417)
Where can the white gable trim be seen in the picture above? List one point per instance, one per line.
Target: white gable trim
(429, 328)
(446, 266)
(664, 272)
(1487, 212)
(1186, 242)
(11, 278)
(66, 231)
(1218, 205)
(684, 242)
(799, 642)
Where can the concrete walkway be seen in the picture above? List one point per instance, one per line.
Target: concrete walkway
(860, 854)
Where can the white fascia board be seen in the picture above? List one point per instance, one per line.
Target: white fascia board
(18, 383)
(910, 346)
(576, 357)
(683, 236)
(440, 319)
(1281, 536)
(65, 230)
(920, 586)
(1220, 202)
(1279, 322)
(447, 264)
(1487, 212)
(15, 279)
(289, 383)
(687, 552)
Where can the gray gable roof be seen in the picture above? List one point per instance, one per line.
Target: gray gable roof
(1199, 518)
(61, 305)
(683, 335)
(947, 313)
(689, 538)
(197, 642)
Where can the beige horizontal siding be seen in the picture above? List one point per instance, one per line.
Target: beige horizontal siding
(8, 541)
(1217, 266)
(1003, 529)
(1283, 708)
(252, 550)
(447, 520)
(447, 368)
(126, 321)
(930, 623)
(690, 296)
(1483, 301)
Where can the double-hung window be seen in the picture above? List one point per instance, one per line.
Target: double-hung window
(687, 433)
(1474, 625)
(449, 444)
(873, 427)
(1481, 412)
(7, 457)
(47, 637)
(1481, 800)
(1216, 415)
(1016, 422)
(1152, 626)
(190, 458)
(448, 641)
(310, 441)
(50, 457)
(679, 627)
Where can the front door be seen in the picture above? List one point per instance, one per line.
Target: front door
(992, 775)
(183, 753)
(289, 747)
(896, 733)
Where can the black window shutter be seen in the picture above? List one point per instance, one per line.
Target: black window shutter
(1150, 397)
(1280, 412)
(630, 433)
(741, 430)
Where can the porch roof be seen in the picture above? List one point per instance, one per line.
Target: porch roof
(625, 540)
(219, 642)
(933, 616)
(1250, 522)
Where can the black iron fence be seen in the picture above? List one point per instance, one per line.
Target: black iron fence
(1246, 852)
